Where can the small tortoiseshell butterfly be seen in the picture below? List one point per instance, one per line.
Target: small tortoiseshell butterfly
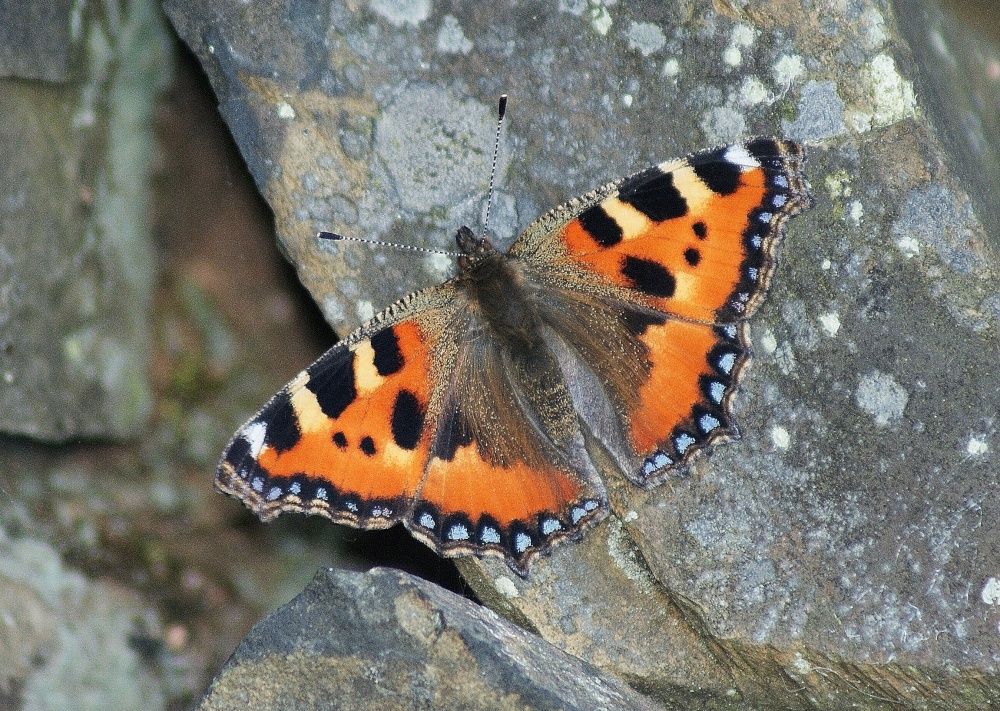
(484, 413)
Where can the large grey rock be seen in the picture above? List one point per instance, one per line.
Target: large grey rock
(76, 265)
(843, 552)
(385, 639)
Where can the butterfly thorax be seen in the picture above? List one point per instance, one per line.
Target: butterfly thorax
(496, 291)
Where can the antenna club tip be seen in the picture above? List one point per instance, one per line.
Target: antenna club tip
(329, 235)
(503, 104)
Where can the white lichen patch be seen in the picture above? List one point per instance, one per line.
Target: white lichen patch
(880, 396)
(451, 38)
(788, 69)
(768, 343)
(990, 594)
(742, 37)
(830, 323)
(401, 12)
(780, 437)
(723, 124)
(838, 184)
(285, 110)
(595, 10)
(977, 445)
(873, 29)
(645, 37)
(753, 92)
(800, 665)
(890, 97)
(440, 265)
(855, 211)
(671, 68)
(505, 586)
(364, 310)
(909, 246)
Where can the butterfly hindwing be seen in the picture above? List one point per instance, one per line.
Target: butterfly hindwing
(508, 472)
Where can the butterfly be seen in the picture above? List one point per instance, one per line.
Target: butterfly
(485, 413)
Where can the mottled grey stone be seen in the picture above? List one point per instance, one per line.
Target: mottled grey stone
(76, 264)
(385, 639)
(35, 38)
(67, 642)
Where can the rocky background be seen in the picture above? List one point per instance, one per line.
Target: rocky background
(843, 554)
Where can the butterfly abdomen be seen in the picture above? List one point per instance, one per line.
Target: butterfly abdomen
(499, 298)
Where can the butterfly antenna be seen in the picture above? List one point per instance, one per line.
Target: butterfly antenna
(496, 150)
(334, 237)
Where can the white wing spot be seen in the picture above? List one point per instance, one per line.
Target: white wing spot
(765, 217)
(274, 493)
(295, 488)
(707, 423)
(351, 506)
(550, 526)
(254, 434)
(321, 493)
(522, 542)
(716, 391)
(489, 535)
(458, 532)
(257, 484)
(738, 155)
(682, 442)
(426, 520)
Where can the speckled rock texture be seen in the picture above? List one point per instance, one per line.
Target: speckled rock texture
(67, 642)
(76, 264)
(385, 639)
(844, 552)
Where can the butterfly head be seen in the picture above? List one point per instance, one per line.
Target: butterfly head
(473, 248)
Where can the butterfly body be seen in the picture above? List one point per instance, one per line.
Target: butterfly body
(486, 413)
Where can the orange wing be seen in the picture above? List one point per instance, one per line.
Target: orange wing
(686, 250)
(346, 439)
(368, 435)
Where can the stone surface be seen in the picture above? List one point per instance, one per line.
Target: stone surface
(76, 265)
(35, 39)
(844, 551)
(385, 639)
(67, 642)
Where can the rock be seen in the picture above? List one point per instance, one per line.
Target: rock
(67, 642)
(76, 264)
(388, 639)
(843, 552)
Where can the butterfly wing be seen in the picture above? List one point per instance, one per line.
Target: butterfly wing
(348, 437)
(679, 255)
(415, 417)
